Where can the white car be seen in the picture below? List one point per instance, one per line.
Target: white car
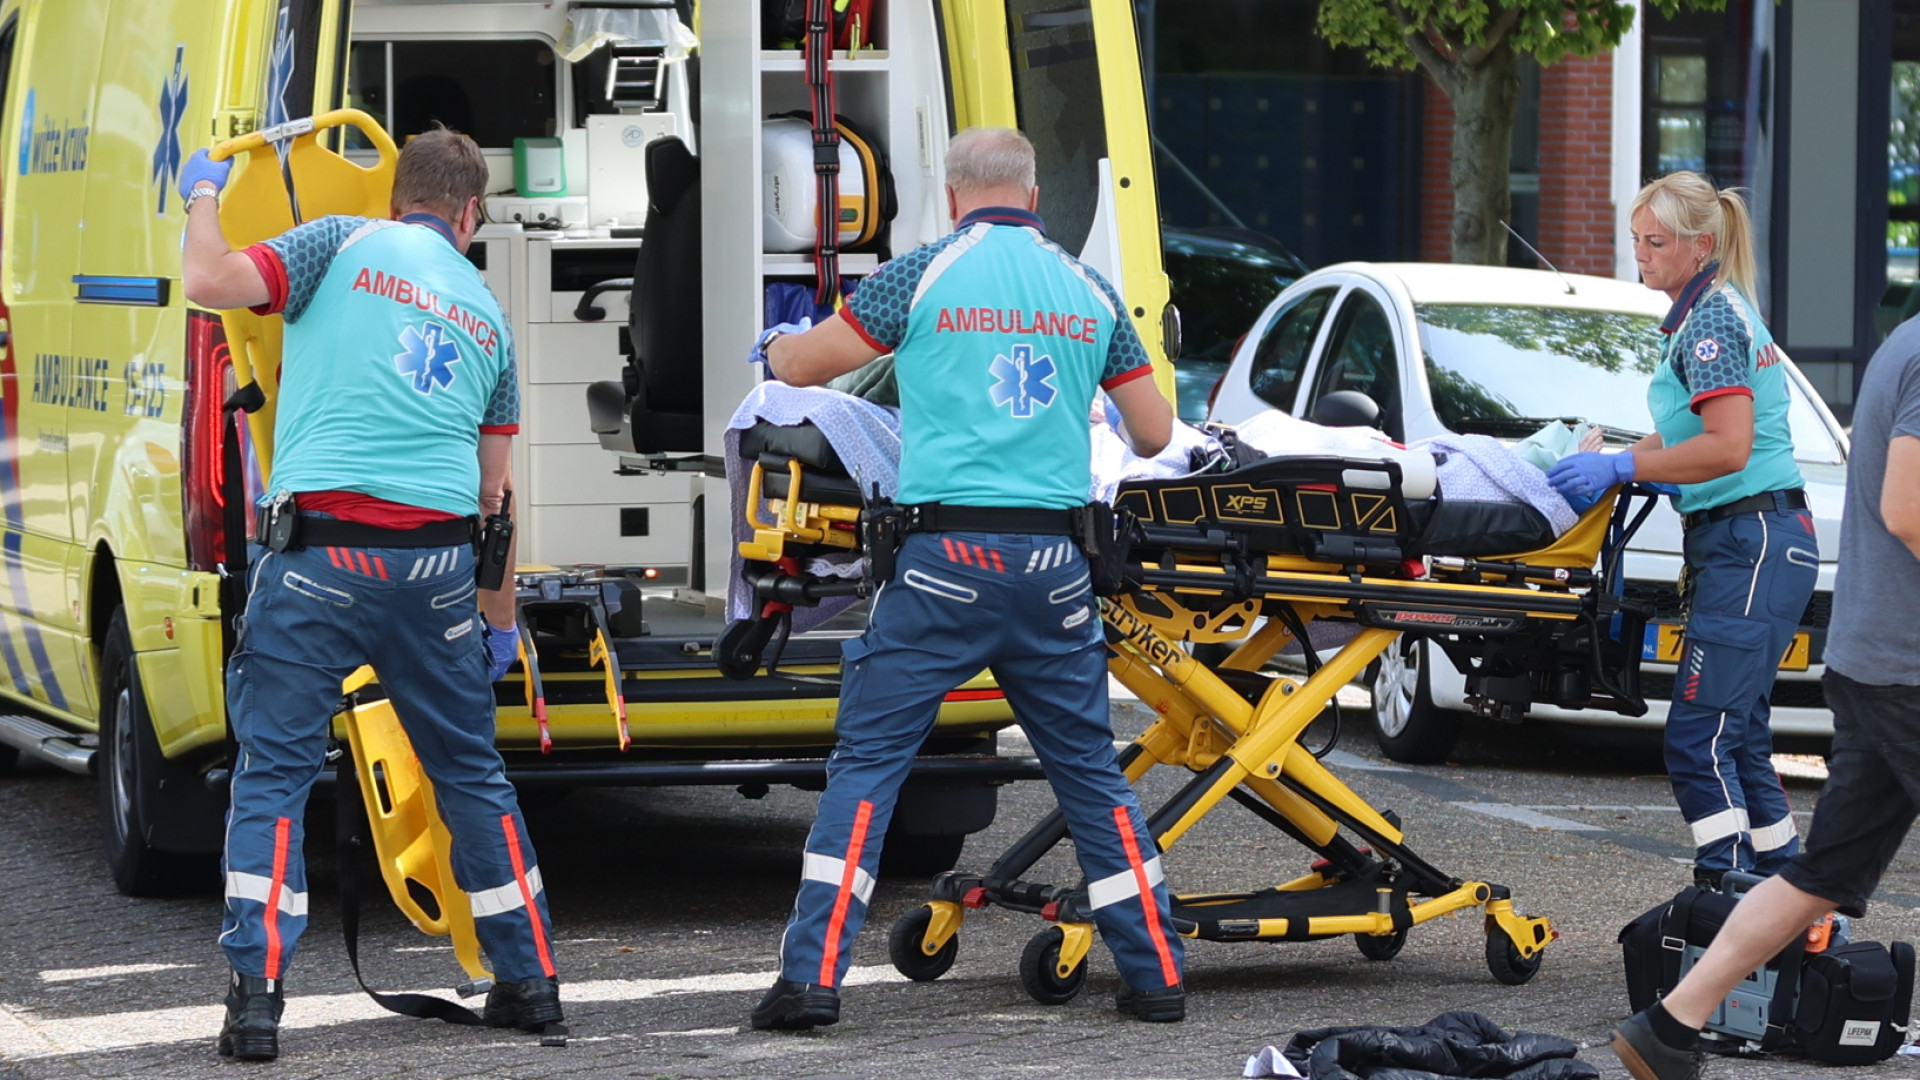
(1496, 351)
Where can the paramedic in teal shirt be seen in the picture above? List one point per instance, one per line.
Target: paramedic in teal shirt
(397, 406)
(1000, 341)
(1719, 402)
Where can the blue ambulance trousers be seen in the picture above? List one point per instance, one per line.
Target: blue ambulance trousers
(313, 617)
(960, 602)
(1752, 576)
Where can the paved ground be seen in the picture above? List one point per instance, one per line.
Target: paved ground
(669, 904)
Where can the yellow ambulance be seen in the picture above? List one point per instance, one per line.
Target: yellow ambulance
(118, 469)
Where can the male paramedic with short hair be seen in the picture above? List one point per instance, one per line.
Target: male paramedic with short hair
(1873, 683)
(1001, 339)
(397, 409)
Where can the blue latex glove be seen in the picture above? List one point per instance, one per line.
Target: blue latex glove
(759, 353)
(1590, 473)
(503, 648)
(202, 169)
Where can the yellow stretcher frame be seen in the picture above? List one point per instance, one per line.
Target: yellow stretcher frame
(1251, 750)
(283, 176)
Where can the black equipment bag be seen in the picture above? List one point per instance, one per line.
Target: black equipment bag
(1654, 944)
(1854, 1002)
(1847, 1005)
(1660, 945)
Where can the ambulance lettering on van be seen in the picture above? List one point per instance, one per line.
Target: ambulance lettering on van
(74, 382)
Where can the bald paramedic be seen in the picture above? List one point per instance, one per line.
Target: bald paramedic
(398, 403)
(1000, 339)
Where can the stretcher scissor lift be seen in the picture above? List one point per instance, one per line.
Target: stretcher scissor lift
(1256, 555)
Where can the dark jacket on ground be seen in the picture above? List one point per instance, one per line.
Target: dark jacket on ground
(1455, 1044)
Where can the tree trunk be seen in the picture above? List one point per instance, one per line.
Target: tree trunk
(1485, 98)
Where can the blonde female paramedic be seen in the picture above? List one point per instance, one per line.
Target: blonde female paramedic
(1719, 402)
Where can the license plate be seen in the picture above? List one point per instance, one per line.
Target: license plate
(1664, 641)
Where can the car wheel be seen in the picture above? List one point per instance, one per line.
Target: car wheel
(1406, 723)
(129, 766)
(9, 757)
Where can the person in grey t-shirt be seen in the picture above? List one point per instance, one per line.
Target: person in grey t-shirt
(1873, 780)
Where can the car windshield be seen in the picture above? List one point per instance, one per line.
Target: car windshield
(1505, 371)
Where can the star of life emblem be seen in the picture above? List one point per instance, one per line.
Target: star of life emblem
(429, 357)
(1024, 381)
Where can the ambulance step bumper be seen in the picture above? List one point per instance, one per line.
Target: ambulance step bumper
(42, 741)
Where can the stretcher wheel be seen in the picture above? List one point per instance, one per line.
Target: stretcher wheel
(903, 947)
(1040, 969)
(1506, 963)
(738, 650)
(1381, 946)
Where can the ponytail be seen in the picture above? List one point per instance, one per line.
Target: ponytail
(1689, 205)
(1734, 246)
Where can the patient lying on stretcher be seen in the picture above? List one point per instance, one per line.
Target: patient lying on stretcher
(1469, 494)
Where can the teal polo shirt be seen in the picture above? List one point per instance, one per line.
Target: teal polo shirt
(1000, 340)
(1716, 345)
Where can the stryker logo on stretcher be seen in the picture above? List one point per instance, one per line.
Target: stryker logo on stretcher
(402, 291)
(980, 320)
(1141, 636)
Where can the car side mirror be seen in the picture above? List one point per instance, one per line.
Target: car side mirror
(1346, 408)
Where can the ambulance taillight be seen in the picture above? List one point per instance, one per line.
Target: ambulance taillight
(210, 380)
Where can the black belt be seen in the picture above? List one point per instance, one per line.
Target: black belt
(1790, 499)
(941, 517)
(332, 532)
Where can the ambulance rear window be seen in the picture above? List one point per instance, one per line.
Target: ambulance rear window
(1057, 99)
(495, 91)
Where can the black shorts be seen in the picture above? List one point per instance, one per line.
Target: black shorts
(1871, 797)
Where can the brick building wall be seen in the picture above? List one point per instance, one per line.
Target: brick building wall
(1576, 165)
(1436, 187)
(1576, 205)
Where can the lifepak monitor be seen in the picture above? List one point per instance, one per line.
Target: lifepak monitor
(539, 167)
(792, 193)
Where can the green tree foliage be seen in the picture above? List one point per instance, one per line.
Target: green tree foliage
(1469, 48)
(1598, 339)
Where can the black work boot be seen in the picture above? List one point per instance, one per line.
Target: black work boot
(252, 1028)
(796, 1006)
(1708, 879)
(1164, 1006)
(1648, 1058)
(530, 1005)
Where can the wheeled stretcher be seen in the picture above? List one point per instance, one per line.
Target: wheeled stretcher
(1261, 555)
